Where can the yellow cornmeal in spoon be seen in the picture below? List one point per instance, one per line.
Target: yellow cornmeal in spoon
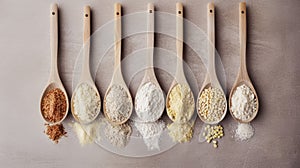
(180, 104)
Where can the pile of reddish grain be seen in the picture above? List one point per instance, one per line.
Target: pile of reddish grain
(53, 107)
(55, 132)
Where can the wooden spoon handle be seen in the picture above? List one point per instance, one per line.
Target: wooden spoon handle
(179, 36)
(211, 38)
(86, 40)
(86, 24)
(243, 36)
(54, 41)
(117, 37)
(150, 37)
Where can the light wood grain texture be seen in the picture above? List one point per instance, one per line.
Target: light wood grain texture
(243, 77)
(150, 41)
(54, 41)
(149, 75)
(179, 75)
(179, 43)
(211, 42)
(54, 79)
(85, 76)
(149, 72)
(117, 78)
(211, 79)
(117, 37)
(272, 63)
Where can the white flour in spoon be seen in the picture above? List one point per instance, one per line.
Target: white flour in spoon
(149, 102)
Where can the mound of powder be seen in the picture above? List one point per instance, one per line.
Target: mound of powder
(149, 102)
(118, 104)
(89, 133)
(55, 132)
(243, 103)
(151, 133)
(53, 108)
(180, 104)
(117, 135)
(243, 132)
(181, 132)
(86, 103)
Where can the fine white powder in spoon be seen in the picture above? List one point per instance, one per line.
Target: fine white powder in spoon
(149, 102)
(243, 103)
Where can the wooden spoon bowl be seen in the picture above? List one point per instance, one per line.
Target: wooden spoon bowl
(117, 78)
(243, 77)
(54, 79)
(85, 74)
(211, 79)
(72, 103)
(49, 87)
(206, 86)
(149, 75)
(249, 84)
(179, 75)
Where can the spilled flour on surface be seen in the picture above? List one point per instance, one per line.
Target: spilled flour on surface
(243, 132)
(87, 134)
(151, 133)
(117, 135)
(181, 132)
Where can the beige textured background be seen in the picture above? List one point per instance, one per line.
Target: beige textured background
(273, 58)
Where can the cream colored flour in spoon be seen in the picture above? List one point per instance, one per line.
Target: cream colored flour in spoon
(86, 103)
(118, 104)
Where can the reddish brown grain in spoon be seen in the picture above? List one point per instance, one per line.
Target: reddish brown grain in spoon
(54, 79)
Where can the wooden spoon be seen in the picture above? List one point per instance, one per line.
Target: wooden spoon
(211, 79)
(149, 75)
(117, 78)
(54, 79)
(85, 72)
(179, 75)
(243, 77)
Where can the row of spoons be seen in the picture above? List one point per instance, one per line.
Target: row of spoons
(211, 79)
